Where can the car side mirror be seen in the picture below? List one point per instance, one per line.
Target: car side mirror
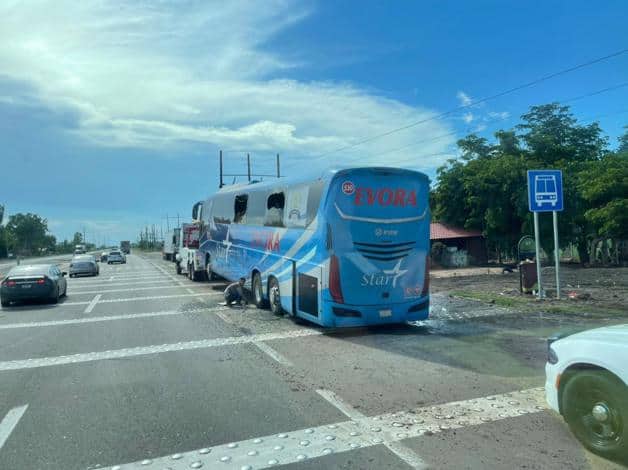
(64, 273)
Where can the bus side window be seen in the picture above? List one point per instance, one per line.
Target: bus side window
(274, 210)
(239, 209)
(222, 209)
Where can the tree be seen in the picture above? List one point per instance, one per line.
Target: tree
(78, 238)
(623, 141)
(27, 233)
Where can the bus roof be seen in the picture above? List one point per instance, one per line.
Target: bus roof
(325, 175)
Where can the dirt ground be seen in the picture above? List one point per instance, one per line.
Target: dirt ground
(583, 290)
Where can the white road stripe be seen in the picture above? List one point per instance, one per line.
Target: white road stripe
(80, 288)
(9, 422)
(152, 297)
(92, 304)
(76, 321)
(147, 350)
(224, 317)
(280, 358)
(126, 289)
(342, 406)
(390, 428)
(404, 453)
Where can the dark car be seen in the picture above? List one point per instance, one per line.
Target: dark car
(33, 282)
(84, 265)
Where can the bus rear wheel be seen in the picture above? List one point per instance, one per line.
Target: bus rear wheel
(258, 295)
(275, 296)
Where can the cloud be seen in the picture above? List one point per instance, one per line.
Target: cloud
(499, 115)
(165, 75)
(468, 118)
(465, 100)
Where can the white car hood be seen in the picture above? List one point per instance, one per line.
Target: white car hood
(617, 334)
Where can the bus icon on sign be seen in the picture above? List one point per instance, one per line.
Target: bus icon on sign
(545, 190)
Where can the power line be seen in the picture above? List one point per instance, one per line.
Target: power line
(442, 136)
(476, 102)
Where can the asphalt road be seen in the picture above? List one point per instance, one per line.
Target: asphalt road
(141, 368)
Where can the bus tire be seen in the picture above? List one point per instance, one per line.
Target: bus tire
(258, 294)
(178, 268)
(275, 296)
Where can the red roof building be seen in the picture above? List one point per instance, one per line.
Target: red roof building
(463, 247)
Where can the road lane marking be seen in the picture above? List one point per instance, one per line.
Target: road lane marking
(346, 409)
(280, 358)
(344, 436)
(127, 289)
(224, 317)
(77, 321)
(80, 289)
(404, 453)
(92, 304)
(147, 350)
(151, 297)
(9, 422)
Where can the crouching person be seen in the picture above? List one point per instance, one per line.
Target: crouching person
(234, 293)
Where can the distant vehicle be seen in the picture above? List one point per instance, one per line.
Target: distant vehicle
(546, 192)
(587, 383)
(125, 247)
(171, 243)
(33, 282)
(84, 265)
(116, 256)
(349, 248)
(188, 259)
(80, 249)
(103, 256)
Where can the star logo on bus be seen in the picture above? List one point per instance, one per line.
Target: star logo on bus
(395, 273)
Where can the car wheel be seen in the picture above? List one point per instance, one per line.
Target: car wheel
(258, 295)
(595, 406)
(4, 303)
(275, 296)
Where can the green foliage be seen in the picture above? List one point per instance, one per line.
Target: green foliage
(486, 188)
(27, 234)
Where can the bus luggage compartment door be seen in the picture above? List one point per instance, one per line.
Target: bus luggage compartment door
(308, 291)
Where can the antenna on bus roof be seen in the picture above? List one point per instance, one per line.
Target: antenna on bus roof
(248, 172)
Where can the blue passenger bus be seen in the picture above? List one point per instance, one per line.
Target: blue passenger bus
(348, 248)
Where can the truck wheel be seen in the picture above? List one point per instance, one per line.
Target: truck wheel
(196, 276)
(178, 268)
(275, 296)
(258, 295)
(595, 406)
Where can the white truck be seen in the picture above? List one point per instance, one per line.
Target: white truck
(188, 259)
(171, 244)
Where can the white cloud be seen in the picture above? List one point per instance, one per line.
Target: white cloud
(468, 118)
(465, 100)
(161, 75)
(499, 115)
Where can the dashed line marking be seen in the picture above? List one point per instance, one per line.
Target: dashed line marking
(224, 317)
(340, 404)
(151, 297)
(9, 422)
(92, 304)
(78, 289)
(280, 358)
(344, 436)
(127, 289)
(148, 350)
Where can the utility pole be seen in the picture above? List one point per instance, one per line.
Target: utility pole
(248, 166)
(278, 172)
(167, 223)
(221, 183)
(178, 221)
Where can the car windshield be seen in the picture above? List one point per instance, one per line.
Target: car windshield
(309, 234)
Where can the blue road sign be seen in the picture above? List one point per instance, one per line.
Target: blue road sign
(545, 190)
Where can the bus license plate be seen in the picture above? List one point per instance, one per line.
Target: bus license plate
(385, 313)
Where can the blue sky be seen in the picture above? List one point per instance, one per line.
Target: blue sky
(112, 114)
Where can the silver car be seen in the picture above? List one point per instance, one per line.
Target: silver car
(84, 265)
(116, 257)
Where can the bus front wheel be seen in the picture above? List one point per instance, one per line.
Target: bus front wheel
(275, 296)
(258, 295)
